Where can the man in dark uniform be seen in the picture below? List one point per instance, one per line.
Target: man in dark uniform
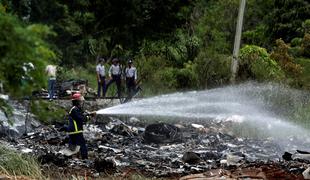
(77, 117)
(131, 78)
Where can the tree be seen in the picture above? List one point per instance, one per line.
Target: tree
(24, 54)
(286, 18)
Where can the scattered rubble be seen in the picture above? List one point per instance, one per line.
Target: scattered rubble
(161, 150)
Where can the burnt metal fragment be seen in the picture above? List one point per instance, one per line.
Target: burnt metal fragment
(162, 133)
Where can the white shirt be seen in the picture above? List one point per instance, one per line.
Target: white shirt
(114, 70)
(51, 71)
(131, 72)
(100, 69)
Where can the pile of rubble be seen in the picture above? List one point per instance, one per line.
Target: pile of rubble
(162, 150)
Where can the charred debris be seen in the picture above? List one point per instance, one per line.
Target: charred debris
(162, 150)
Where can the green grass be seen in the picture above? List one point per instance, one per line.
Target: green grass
(305, 76)
(16, 164)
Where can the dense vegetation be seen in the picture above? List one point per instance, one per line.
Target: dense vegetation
(175, 44)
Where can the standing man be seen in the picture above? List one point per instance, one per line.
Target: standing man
(115, 73)
(131, 78)
(101, 77)
(77, 117)
(51, 73)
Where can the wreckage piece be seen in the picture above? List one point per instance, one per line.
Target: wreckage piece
(299, 155)
(306, 173)
(122, 129)
(191, 158)
(56, 159)
(162, 133)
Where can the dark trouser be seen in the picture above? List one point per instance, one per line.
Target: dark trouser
(101, 84)
(78, 139)
(130, 83)
(51, 87)
(117, 80)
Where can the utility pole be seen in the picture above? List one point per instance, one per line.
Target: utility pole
(234, 62)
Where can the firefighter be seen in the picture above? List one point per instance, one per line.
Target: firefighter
(77, 117)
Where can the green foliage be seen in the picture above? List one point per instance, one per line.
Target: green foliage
(23, 55)
(296, 42)
(281, 55)
(306, 45)
(286, 18)
(165, 79)
(187, 77)
(306, 26)
(256, 63)
(256, 36)
(212, 18)
(305, 75)
(212, 69)
(47, 112)
(6, 108)
(13, 163)
(186, 42)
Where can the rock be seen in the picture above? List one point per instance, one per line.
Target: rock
(191, 158)
(162, 133)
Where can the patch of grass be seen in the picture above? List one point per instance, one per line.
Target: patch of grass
(16, 164)
(305, 76)
(302, 116)
(47, 112)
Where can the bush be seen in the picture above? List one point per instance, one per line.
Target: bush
(186, 77)
(306, 26)
(281, 55)
(13, 163)
(211, 69)
(296, 51)
(306, 45)
(256, 63)
(296, 42)
(24, 54)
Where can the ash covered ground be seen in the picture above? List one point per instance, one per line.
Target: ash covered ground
(174, 150)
